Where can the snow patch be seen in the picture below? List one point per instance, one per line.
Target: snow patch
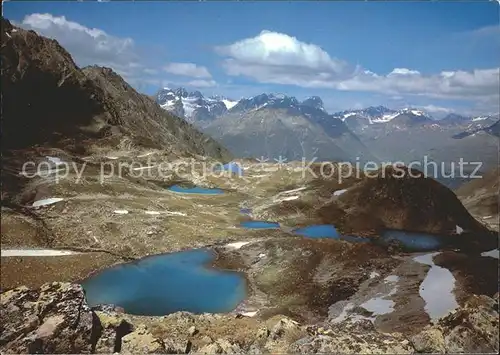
(294, 190)
(249, 314)
(155, 213)
(492, 253)
(339, 192)
(120, 211)
(229, 104)
(480, 118)
(347, 115)
(374, 274)
(236, 245)
(172, 213)
(385, 118)
(459, 230)
(35, 252)
(290, 198)
(47, 201)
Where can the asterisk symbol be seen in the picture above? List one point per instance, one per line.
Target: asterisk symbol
(281, 161)
(262, 160)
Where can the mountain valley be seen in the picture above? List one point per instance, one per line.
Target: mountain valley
(181, 223)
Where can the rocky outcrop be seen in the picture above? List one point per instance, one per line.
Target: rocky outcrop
(53, 319)
(56, 319)
(352, 338)
(473, 328)
(141, 341)
(402, 198)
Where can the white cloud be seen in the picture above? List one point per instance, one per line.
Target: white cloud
(277, 58)
(201, 83)
(86, 45)
(477, 84)
(187, 69)
(435, 109)
(402, 71)
(278, 49)
(281, 59)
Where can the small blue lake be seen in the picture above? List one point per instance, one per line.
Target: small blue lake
(259, 225)
(318, 231)
(168, 283)
(413, 241)
(195, 190)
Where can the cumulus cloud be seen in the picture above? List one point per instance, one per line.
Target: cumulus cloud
(86, 45)
(187, 69)
(277, 58)
(480, 83)
(281, 59)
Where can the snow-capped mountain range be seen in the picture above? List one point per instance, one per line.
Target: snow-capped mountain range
(382, 114)
(193, 106)
(274, 125)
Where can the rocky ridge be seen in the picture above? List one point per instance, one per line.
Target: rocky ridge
(53, 102)
(56, 319)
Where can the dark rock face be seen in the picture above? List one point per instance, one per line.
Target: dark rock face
(54, 319)
(494, 129)
(47, 99)
(44, 95)
(313, 101)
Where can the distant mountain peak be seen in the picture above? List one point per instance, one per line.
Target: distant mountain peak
(313, 101)
(192, 106)
(414, 111)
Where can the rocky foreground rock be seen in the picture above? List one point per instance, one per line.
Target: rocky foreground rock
(57, 319)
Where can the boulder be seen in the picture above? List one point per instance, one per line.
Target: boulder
(141, 341)
(429, 341)
(352, 338)
(221, 346)
(114, 328)
(472, 328)
(53, 319)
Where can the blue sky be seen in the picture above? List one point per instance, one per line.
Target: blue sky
(442, 56)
